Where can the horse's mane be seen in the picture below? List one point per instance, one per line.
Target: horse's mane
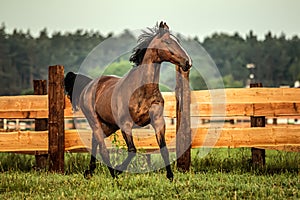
(81, 82)
(144, 40)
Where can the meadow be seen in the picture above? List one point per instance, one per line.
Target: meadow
(222, 174)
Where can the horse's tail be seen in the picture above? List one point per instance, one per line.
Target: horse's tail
(77, 81)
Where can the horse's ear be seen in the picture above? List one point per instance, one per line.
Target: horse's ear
(166, 27)
(163, 28)
(161, 25)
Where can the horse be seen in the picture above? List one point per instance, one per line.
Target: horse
(110, 103)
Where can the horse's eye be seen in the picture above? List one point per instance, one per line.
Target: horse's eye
(167, 41)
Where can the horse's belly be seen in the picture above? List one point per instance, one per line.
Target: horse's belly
(142, 120)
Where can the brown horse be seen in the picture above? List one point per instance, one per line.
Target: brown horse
(110, 103)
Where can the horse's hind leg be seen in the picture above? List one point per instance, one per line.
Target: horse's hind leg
(98, 138)
(88, 173)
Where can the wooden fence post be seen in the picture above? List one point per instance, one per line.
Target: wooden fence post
(183, 123)
(258, 155)
(56, 118)
(40, 88)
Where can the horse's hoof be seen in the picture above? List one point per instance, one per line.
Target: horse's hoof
(170, 176)
(118, 170)
(88, 174)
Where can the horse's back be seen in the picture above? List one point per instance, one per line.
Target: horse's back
(95, 98)
(106, 85)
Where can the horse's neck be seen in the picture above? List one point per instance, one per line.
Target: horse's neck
(146, 83)
(149, 73)
(145, 77)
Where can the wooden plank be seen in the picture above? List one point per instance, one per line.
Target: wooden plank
(24, 141)
(249, 137)
(279, 109)
(33, 141)
(285, 135)
(30, 114)
(247, 95)
(221, 110)
(225, 137)
(30, 107)
(23, 103)
(24, 107)
(273, 102)
(276, 109)
(272, 137)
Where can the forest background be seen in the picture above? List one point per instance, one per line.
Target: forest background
(24, 58)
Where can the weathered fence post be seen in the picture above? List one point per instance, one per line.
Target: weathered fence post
(40, 88)
(56, 118)
(258, 155)
(183, 123)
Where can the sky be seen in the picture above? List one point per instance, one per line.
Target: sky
(191, 18)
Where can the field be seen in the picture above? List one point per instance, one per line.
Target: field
(222, 174)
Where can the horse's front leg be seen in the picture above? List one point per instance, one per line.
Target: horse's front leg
(127, 135)
(158, 123)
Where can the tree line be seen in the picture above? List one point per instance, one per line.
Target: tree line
(24, 58)
(276, 59)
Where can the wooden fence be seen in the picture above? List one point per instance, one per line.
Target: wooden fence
(246, 102)
(207, 104)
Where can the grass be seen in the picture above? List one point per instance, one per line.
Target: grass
(222, 174)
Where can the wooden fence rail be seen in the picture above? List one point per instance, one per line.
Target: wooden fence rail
(272, 101)
(269, 102)
(285, 137)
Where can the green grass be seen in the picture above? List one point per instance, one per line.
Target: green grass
(222, 174)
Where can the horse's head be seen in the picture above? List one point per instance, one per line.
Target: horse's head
(167, 48)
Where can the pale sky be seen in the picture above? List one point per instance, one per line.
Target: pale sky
(189, 17)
